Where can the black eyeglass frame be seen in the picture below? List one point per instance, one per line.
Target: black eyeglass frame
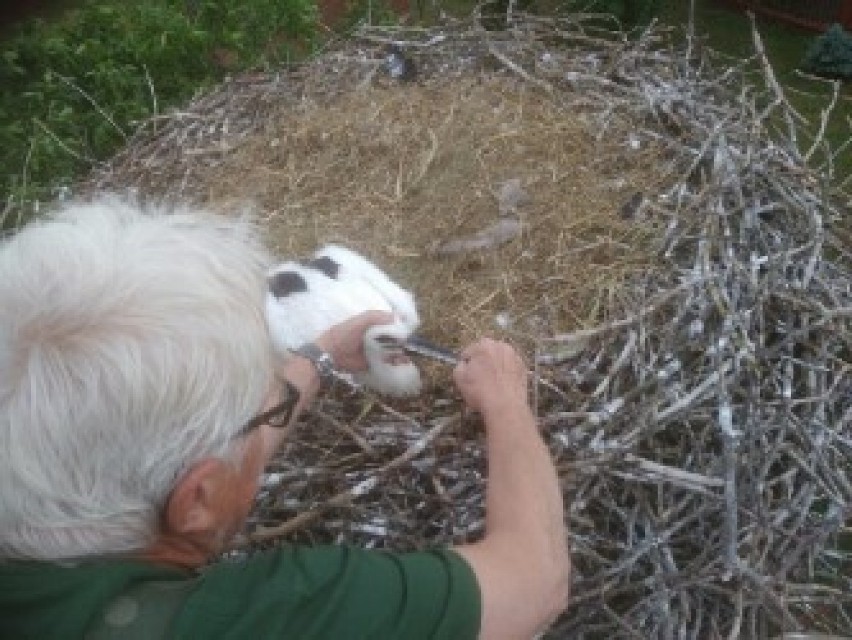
(278, 416)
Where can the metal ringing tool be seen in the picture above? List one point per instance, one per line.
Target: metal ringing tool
(422, 347)
(417, 345)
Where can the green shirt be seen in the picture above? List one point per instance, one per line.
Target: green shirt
(303, 593)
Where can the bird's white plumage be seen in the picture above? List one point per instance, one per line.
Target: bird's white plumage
(302, 315)
(356, 268)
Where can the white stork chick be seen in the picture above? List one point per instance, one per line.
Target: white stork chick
(304, 299)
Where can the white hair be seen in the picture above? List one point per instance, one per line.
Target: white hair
(132, 344)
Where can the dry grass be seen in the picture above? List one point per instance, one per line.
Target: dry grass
(392, 170)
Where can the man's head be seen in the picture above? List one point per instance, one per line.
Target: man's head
(133, 348)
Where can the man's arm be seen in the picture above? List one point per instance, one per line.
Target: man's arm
(522, 564)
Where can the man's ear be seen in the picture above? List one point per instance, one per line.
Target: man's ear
(192, 505)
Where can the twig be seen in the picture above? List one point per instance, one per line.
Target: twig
(91, 101)
(62, 144)
(362, 488)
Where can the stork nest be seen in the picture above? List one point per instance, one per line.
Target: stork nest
(647, 224)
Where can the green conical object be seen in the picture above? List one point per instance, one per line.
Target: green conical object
(830, 55)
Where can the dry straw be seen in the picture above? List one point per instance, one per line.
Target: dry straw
(676, 272)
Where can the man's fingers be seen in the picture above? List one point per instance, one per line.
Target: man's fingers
(487, 346)
(371, 318)
(477, 347)
(358, 324)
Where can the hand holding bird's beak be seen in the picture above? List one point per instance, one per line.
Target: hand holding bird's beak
(345, 341)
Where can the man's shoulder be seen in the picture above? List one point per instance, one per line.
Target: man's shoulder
(293, 591)
(339, 591)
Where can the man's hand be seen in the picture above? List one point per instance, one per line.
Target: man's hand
(345, 341)
(491, 375)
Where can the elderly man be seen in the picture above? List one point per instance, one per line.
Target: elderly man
(139, 403)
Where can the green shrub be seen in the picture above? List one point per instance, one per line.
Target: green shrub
(74, 87)
(830, 55)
